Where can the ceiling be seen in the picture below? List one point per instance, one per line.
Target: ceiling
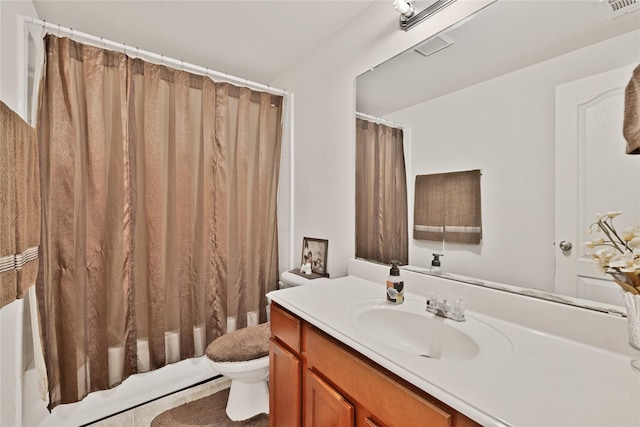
(505, 36)
(259, 40)
(255, 40)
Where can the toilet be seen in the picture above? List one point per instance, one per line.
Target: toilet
(292, 280)
(243, 357)
(289, 280)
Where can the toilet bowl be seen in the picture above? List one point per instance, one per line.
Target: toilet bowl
(249, 392)
(243, 357)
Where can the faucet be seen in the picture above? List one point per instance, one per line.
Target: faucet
(454, 311)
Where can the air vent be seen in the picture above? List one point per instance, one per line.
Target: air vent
(434, 44)
(621, 7)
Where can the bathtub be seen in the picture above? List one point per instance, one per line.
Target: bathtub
(133, 391)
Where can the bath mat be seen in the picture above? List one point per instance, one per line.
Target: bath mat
(207, 411)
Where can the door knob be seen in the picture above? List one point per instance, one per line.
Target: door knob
(565, 245)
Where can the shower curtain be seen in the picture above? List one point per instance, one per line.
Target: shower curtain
(381, 194)
(159, 211)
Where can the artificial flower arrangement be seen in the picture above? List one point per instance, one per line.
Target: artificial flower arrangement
(618, 253)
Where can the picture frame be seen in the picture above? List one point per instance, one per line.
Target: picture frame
(314, 252)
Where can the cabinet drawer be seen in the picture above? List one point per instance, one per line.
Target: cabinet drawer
(392, 403)
(285, 327)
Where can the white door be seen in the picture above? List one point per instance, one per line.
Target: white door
(593, 175)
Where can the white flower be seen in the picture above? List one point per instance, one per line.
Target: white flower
(619, 261)
(616, 251)
(600, 266)
(626, 262)
(605, 253)
(627, 234)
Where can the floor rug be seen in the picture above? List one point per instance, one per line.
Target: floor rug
(207, 411)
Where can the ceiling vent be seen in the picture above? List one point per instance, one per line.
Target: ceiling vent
(621, 7)
(434, 44)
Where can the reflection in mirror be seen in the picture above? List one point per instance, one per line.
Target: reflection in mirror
(511, 91)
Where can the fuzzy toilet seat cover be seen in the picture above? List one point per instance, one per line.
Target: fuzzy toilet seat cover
(241, 345)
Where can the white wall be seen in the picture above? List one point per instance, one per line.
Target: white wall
(324, 134)
(506, 127)
(10, 44)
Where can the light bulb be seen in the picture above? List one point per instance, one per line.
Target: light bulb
(404, 8)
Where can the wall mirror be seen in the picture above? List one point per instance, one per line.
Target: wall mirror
(532, 93)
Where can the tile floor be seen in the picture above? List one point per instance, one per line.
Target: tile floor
(144, 414)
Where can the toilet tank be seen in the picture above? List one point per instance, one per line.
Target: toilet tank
(289, 280)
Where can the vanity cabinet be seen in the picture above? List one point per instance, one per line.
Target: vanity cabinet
(330, 384)
(285, 370)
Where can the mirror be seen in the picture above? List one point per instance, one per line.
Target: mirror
(483, 94)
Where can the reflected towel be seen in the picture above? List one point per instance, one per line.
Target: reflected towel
(429, 207)
(19, 205)
(447, 207)
(631, 126)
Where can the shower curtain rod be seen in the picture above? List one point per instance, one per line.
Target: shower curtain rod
(379, 120)
(164, 60)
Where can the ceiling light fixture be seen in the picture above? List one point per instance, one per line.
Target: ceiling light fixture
(410, 17)
(404, 8)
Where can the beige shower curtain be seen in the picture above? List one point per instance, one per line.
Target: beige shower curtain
(159, 211)
(381, 194)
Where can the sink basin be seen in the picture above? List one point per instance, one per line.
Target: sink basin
(426, 336)
(409, 328)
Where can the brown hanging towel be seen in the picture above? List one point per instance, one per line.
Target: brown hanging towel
(631, 125)
(19, 206)
(447, 207)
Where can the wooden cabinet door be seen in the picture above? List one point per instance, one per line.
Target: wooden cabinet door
(284, 387)
(324, 406)
(384, 401)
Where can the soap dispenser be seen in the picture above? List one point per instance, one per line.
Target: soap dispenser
(435, 263)
(395, 285)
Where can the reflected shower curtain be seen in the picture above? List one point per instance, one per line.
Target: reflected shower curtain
(159, 212)
(381, 194)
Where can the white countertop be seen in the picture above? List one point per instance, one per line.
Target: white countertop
(541, 380)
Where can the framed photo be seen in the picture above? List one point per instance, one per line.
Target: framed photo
(314, 256)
